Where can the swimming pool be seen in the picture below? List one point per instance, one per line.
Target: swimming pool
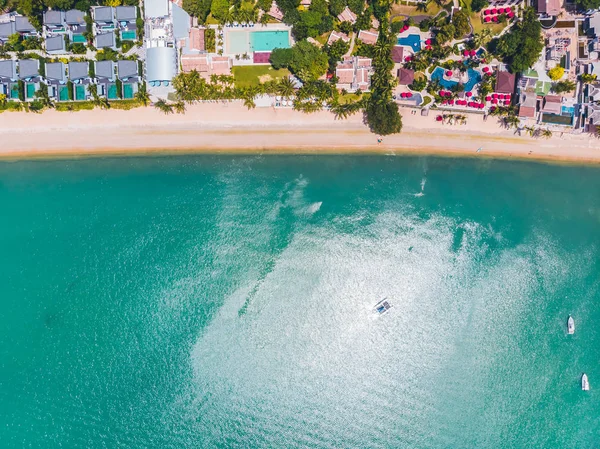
(568, 110)
(474, 78)
(239, 42)
(412, 40)
(128, 35)
(79, 39)
(30, 90)
(269, 40)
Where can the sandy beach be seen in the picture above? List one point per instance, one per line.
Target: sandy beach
(230, 127)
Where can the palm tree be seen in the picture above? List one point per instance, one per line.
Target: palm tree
(546, 133)
(249, 102)
(511, 121)
(163, 106)
(142, 95)
(422, 6)
(531, 131)
(179, 107)
(483, 37)
(285, 87)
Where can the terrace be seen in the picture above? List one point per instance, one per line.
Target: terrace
(56, 80)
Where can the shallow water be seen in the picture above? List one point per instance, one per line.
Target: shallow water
(225, 302)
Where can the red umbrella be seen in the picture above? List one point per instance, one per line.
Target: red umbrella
(500, 10)
(428, 47)
(449, 73)
(500, 96)
(451, 101)
(493, 108)
(473, 52)
(494, 10)
(470, 104)
(481, 105)
(405, 27)
(486, 69)
(428, 42)
(439, 118)
(408, 94)
(469, 94)
(487, 19)
(495, 19)
(511, 15)
(486, 12)
(444, 101)
(403, 94)
(494, 101)
(442, 93)
(488, 98)
(466, 53)
(494, 96)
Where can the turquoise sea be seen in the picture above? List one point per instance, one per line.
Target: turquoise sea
(226, 302)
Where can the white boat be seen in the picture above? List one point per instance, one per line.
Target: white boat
(585, 385)
(382, 307)
(570, 325)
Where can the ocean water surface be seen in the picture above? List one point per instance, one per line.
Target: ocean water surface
(226, 302)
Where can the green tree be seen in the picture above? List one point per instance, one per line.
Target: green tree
(308, 62)
(520, 48)
(587, 78)
(587, 4)
(335, 52)
(478, 5)
(220, 9)
(564, 86)
(382, 116)
(556, 73)
(281, 58)
(445, 34)
(462, 24)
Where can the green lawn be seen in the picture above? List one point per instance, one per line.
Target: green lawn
(432, 10)
(253, 75)
(478, 25)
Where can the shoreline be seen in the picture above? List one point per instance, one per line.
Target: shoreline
(217, 128)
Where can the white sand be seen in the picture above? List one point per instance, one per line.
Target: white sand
(217, 127)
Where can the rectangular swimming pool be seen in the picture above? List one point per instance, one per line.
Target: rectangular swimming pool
(79, 39)
(269, 40)
(128, 35)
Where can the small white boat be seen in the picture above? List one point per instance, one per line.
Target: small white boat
(570, 325)
(382, 307)
(585, 385)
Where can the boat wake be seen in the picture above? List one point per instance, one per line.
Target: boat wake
(422, 192)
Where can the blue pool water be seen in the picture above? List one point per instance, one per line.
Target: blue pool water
(568, 110)
(269, 40)
(412, 40)
(474, 78)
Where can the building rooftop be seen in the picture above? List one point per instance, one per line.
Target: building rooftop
(105, 40)
(55, 71)
(75, 17)
(336, 36)
(156, 8)
(23, 25)
(275, 12)
(182, 22)
(7, 29)
(104, 14)
(405, 76)
(526, 111)
(161, 63)
(347, 16)
(127, 69)
(552, 104)
(126, 13)
(368, 37)
(550, 7)
(397, 53)
(505, 82)
(29, 68)
(54, 17)
(8, 69)
(105, 69)
(78, 70)
(55, 43)
(194, 62)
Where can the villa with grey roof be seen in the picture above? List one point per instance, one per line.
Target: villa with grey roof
(29, 73)
(56, 45)
(75, 20)
(24, 27)
(8, 79)
(103, 15)
(106, 40)
(79, 75)
(128, 74)
(56, 79)
(105, 79)
(126, 20)
(54, 22)
(6, 30)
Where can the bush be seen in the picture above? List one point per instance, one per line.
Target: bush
(556, 73)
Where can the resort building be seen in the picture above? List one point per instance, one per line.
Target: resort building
(336, 36)
(505, 82)
(106, 40)
(9, 79)
(347, 16)
(7, 29)
(549, 8)
(29, 73)
(354, 74)
(79, 75)
(368, 37)
(104, 17)
(54, 22)
(397, 54)
(405, 76)
(129, 75)
(528, 105)
(56, 45)
(56, 79)
(161, 52)
(24, 27)
(105, 79)
(75, 21)
(275, 12)
(126, 19)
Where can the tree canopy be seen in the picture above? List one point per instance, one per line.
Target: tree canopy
(305, 60)
(520, 48)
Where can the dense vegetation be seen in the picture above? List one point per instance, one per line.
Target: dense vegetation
(520, 48)
(305, 60)
(587, 4)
